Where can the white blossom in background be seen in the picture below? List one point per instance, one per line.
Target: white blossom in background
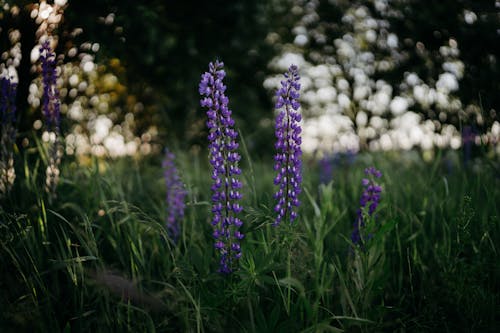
(345, 108)
(10, 59)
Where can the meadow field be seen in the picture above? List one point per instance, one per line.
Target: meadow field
(98, 256)
(254, 166)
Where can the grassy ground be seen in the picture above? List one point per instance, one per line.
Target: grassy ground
(97, 257)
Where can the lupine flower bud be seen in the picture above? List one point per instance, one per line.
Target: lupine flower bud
(224, 160)
(370, 199)
(288, 157)
(176, 193)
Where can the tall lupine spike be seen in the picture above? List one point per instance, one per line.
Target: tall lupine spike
(288, 157)
(176, 193)
(51, 112)
(370, 199)
(8, 90)
(224, 159)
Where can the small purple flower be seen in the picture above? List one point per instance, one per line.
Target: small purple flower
(288, 157)
(51, 103)
(370, 199)
(225, 171)
(176, 193)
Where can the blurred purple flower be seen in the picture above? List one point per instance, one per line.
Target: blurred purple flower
(51, 103)
(351, 156)
(51, 112)
(176, 193)
(329, 164)
(370, 199)
(288, 157)
(468, 141)
(8, 91)
(326, 166)
(225, 171)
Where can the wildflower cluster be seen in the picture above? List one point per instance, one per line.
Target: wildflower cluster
(51, 112)
(288, 157)
(8, 90)
(175, 195)
(369, 201)
(225, 171)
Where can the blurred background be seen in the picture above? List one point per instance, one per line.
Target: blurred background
(376, 74)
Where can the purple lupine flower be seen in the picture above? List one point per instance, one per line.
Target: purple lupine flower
(8, 90)
(468, 141)
(327, 164)
(370, 199)
(51, 103)
(350, 156)
(288, 157)
(176, 193)
(51, 112)
(225, 171)
(7, 101)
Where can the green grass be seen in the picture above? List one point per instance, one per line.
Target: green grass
(97, 257)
